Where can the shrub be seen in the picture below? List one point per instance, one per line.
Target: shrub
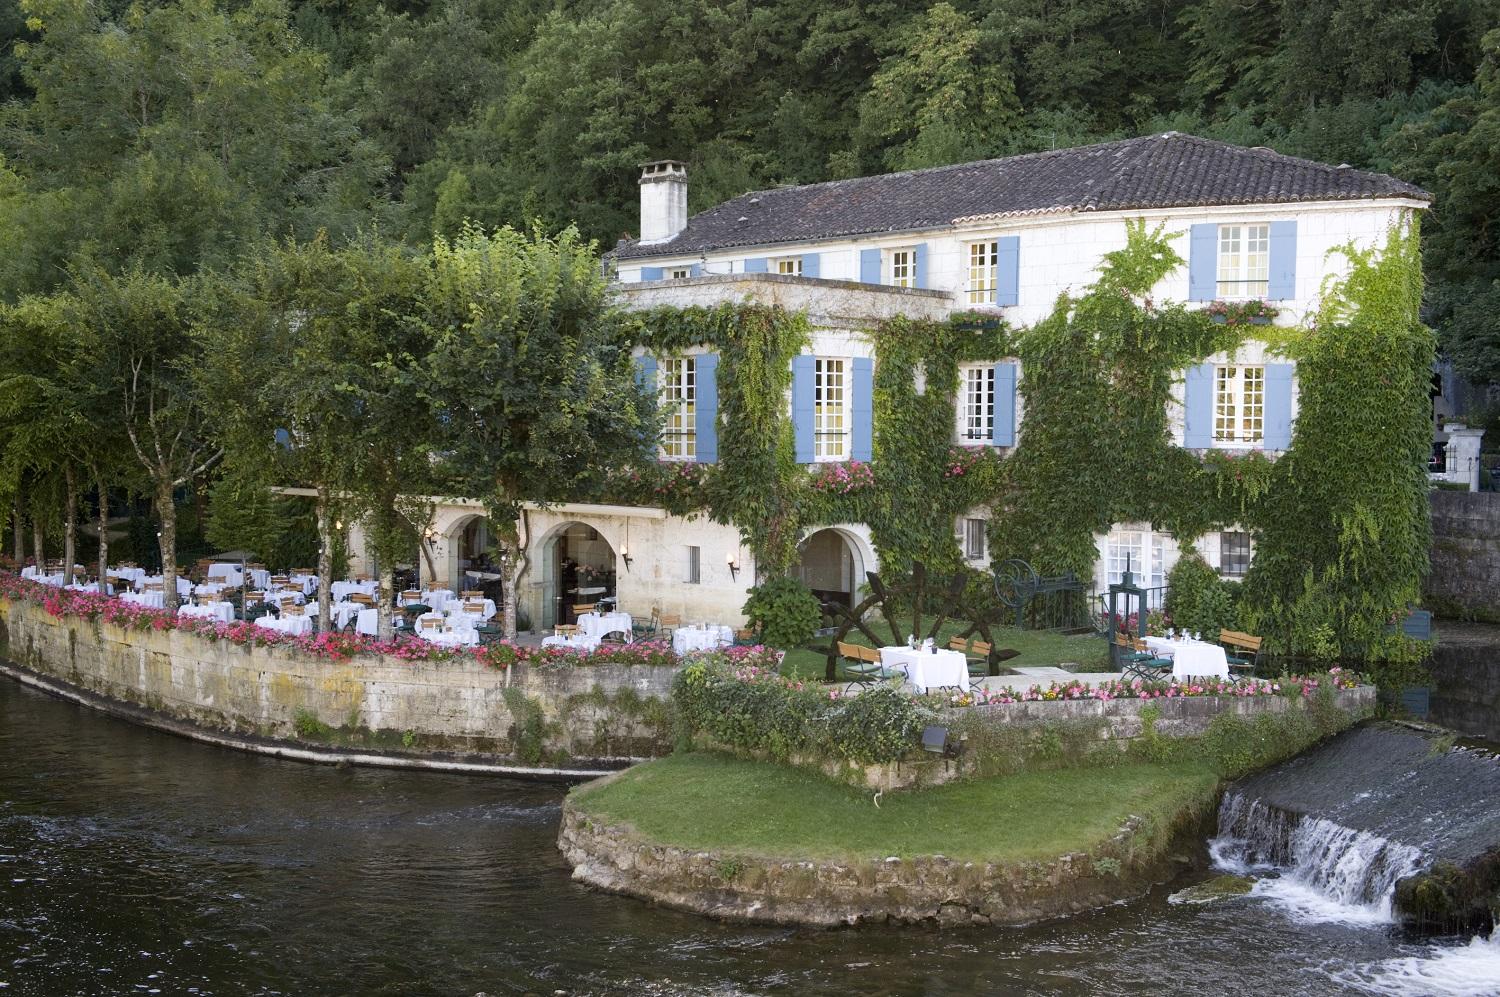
(879, 726)
(785, 612)
(1197, 599)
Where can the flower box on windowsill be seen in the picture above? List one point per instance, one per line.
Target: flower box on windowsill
(1246, 320)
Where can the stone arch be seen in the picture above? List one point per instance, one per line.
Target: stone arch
(557, 556)
(834, 561)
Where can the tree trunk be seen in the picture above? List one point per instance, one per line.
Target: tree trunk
(103, 536)
(325, 560)
(70, 524)
(167, 513)
(38, 547)
(385, 595)
(15, 512)
(510, 569)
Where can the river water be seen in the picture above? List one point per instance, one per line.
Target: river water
(133, 862)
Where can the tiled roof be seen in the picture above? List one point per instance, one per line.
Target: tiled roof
(1158, 171)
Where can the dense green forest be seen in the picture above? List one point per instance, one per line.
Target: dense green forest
(171, 135)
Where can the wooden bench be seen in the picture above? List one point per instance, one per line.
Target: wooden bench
(1241, 649)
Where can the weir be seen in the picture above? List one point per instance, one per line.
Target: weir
(1380, 822)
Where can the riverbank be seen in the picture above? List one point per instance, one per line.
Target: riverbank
(749, 841)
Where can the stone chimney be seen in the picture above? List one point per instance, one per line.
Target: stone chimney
(663, 200)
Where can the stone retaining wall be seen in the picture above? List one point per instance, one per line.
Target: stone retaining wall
(1464, 582)
(829, 894)
(1465, 668)
(593, 713)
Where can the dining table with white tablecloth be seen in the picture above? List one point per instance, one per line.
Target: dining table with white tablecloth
(1191, 658)
(455, 633)
(928, 668)
(604, 624)
(342, 590)
(223, 612)
(155, 599)
(129, 573)
(297, 626)
(307, 583)
(705, 638)
(90, 587)
(184, 586)
(572, 642)
(458, 607)
(294, 596)
(437, 599)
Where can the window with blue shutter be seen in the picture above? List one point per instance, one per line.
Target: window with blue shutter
(920, 260)
(803, 378)
(1008, 271)
(1003, 429)
(1198, 407)
(1203, 263)
(1278, 410)
(650, 273)
(862, 408)
(696, 270)
(869, 266)
(756, 265)
(810, 263)
(706, 410)
(645, 372)
(1283, 275)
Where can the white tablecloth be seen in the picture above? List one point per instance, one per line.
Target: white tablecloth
(450, 638)
(342, 612)
(221, 611)
(344, 589)
(184, 587)
(685, 639)
(596, 625)
(297, 626)
(230, 575)
(925, 670)
(130, 574)
(53, 580)
(456, 608)
(90, 587)
(208, 588)
(151, 600)
(577, 642)
(368, 622)
(1191, 658)
(437, 599)
(307, 583)
(277, 598)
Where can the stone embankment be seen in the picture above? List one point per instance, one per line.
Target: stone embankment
(542, 717)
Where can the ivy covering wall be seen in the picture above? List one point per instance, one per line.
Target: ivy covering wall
(1339, 519)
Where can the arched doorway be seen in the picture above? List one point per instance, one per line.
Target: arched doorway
(830, 565)
(578, 568)
(478, 559)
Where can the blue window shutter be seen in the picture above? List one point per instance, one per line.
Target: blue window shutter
(1283, 283)
(1203, 262)
(757, 265)
(862, 439)
(1277, 429)
(645, 373)
(650, 273)
(1003, 431)
(1008, 270)
(1198, 407)
(706, 410)
(869, 266)
(810, 264)
(919, 264)
(696, 270)
(802, 407)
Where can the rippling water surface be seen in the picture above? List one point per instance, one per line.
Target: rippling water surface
(132, 862)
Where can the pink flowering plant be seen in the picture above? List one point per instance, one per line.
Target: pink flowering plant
(847, 478)
(1291, 686)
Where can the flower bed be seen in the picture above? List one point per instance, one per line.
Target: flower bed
(1289, 685)
(338, 646)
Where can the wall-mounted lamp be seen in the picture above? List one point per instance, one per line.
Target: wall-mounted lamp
(732, 565)
(625, 556)
(338, 524)
(430, 535)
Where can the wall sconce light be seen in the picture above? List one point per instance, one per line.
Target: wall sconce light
(430, 535)
(732, 565)
(338, 524)
(625, 556)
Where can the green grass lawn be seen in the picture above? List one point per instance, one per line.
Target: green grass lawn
(709, 801)
(1085, 653)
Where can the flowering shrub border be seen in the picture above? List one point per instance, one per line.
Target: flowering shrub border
(340, 647)
(1290, 686)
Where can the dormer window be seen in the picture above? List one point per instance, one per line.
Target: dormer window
(788, 266)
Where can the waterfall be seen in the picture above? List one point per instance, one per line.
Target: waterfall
(1354, 872)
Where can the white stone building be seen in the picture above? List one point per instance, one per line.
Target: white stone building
(1007, 236)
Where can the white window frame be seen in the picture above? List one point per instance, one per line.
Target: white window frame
(679, 273)
(1239, 405)
(693, 570)
(982, 266)
(832, 429)
(975, 538)
(976, 405)
(901, 266)
(1249, 554)
(1138, 544)
(1243, 269)
(787, 266)
(677, 382)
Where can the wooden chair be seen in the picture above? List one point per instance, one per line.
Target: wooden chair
(293, 610)
(649, 625)
(668, 623)
(583, 607)
(744, 637)
(251, 598)
(407, 596)
(474, 607)
(565, 630)
(1137, 660)
(1242, 650)
(281, 580)
(861, 665)
(152, 587)
(430, 624)
(471, 594)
